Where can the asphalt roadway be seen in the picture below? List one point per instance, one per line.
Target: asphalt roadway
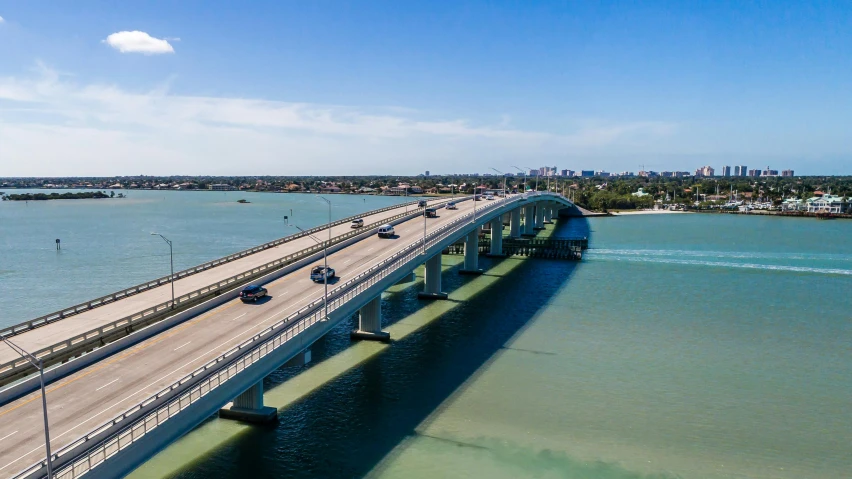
(84, 400)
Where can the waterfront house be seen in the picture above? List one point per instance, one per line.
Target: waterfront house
(827, 203)
(640, 193)
(793, 204)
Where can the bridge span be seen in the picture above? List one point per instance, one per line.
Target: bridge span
(113, 408)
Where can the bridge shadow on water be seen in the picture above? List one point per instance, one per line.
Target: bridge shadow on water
(349, 425)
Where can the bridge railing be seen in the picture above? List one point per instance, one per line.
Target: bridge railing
(208, 377)
(13, 330)
(12, 368)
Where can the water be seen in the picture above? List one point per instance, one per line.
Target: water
(691, 346)
(107, 245)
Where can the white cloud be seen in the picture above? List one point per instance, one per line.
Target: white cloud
(50, 126)
(138, 42)
(2, 20)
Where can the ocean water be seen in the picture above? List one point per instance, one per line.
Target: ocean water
(106, 244)
(682, 346)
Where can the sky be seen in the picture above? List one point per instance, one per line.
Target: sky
(97, 88)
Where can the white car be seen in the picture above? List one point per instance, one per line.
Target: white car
(386, 231)
(489, 197)
(357, 223)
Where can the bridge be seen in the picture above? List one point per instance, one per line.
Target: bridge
(131, 372)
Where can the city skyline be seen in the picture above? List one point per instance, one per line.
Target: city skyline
(394, 88)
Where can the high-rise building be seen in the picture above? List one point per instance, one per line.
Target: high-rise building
(707, 171)
(768, 172)
(726, 171)
(427, 172)
(587, 173)
(787, 173)
(753, 173)
(740, 170)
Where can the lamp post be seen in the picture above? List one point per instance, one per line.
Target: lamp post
(325, 257)
(172, 261)
(536, 179)
(425, 207)
(525, 177)
(504, 180)
(38, 363)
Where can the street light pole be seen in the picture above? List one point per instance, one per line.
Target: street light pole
(38, 363)
(525, 177)
(172, 261)
(325, 257)
(504, 180)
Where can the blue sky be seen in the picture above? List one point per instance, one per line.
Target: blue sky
(319, 87)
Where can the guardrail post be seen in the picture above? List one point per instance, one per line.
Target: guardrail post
(370, 322)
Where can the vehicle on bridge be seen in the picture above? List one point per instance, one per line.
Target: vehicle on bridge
(421, 204)
(386, 231)
(321, 274)
(489, 197)
(252, 293)
(452, 206)
(431, 213)
(357, 223)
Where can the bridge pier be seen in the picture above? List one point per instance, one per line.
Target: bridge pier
(539, 217)
(370, 322)
(548, 213)
(529, 221)
(515, 223)
(496, 237)
(248, 407)
(471, 253)
(432, 286)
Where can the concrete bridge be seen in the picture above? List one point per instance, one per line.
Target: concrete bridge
(122, 389)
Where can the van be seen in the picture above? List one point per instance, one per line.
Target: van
(386, 231)
(357, 223)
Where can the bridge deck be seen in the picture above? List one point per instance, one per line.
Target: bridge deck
(62, 330)
(82, 401)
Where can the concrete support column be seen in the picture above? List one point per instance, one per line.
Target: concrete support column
(548, 213)
(471, 253)
(529, 220)
(496, 237)
(515, 223)
(370, 322)
(248, 407)
(432, 283)
(539, 216)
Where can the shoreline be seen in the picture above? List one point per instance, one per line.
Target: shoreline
(647, 212)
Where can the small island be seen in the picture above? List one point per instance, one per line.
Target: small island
(86, 195)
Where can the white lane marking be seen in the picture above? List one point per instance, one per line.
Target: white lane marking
(107, 384)
(137, 392)
(285, 292)
(182, 345)
(8, 435)
(371, 249)
(238, 317)
(347, 261)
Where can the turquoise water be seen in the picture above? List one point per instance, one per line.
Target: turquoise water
(689, 346)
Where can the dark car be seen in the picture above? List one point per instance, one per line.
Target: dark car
(431, 213)
(318, 274)
(252, 293)
(421, 204)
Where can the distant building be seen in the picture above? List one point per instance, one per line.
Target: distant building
(740, 170)
(640, 193)
(666, 174)
(787, 173)
(753, 173)
(533, 172)
(587, 173)
(726, 171)
(706, 171)
(222, 187)
(567, 173)
(768, 172)
(602, 174)
(427, 172)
